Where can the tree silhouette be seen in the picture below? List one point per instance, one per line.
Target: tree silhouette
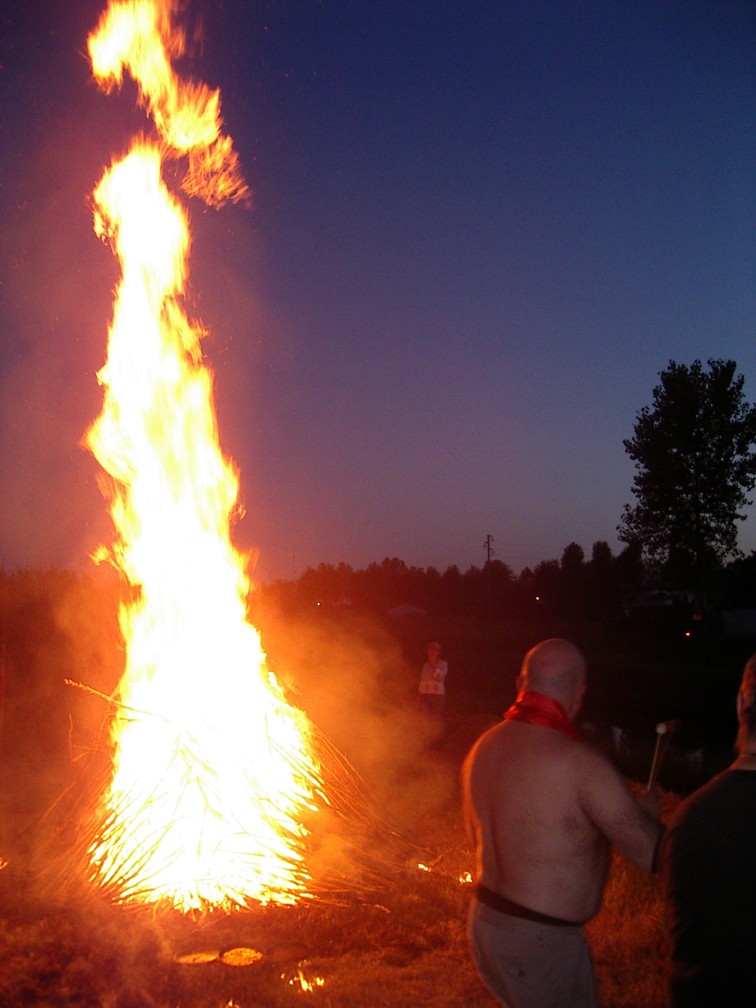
(694, 466)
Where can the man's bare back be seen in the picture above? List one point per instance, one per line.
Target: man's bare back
(544, 810)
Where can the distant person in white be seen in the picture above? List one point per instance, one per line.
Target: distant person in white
(432, 689)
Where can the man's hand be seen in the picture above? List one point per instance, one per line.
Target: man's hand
(650, 802)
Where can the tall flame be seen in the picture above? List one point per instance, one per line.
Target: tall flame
(213, 771)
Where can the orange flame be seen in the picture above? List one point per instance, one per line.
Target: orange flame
(213, 771)
(300, 981)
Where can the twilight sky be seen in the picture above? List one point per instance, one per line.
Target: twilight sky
(479, 230)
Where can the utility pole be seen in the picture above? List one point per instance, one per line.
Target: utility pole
(488, 546)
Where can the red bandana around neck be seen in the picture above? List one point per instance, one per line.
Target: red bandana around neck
(539, 709)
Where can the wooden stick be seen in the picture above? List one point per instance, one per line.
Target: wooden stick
(663, 733)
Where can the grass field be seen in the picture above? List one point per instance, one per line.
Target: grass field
(401, 945)
(398, 942)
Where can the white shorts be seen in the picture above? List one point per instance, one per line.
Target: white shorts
(526, 964)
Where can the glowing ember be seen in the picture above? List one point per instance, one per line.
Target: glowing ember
(302, 982)
(213, 772)
(240, 955)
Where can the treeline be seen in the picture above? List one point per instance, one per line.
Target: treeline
(602, 587)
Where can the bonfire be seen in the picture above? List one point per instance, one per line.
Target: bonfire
(214, 773)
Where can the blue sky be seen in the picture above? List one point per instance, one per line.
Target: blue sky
(479, 230)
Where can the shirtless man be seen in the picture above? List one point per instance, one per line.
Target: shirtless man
(544, 808)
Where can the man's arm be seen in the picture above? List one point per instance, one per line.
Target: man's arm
(467, 800)
(608, 802)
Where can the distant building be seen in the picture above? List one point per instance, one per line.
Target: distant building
(406, 612)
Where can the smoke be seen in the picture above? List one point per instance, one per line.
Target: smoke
(54, 309)
(51, 511)
(349, 676)
(356, 685)
(55, 626)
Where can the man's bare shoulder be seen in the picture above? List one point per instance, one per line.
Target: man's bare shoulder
(590, 755)
(592, 769)
(485, 742)
(509, 738)
(602, 791)
(592, 759)
(488, 737)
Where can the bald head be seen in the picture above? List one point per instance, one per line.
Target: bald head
(557, 668)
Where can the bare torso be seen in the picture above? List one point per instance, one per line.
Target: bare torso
(545, 810)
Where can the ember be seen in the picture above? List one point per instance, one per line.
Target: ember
(213, 772)
(302, 982)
